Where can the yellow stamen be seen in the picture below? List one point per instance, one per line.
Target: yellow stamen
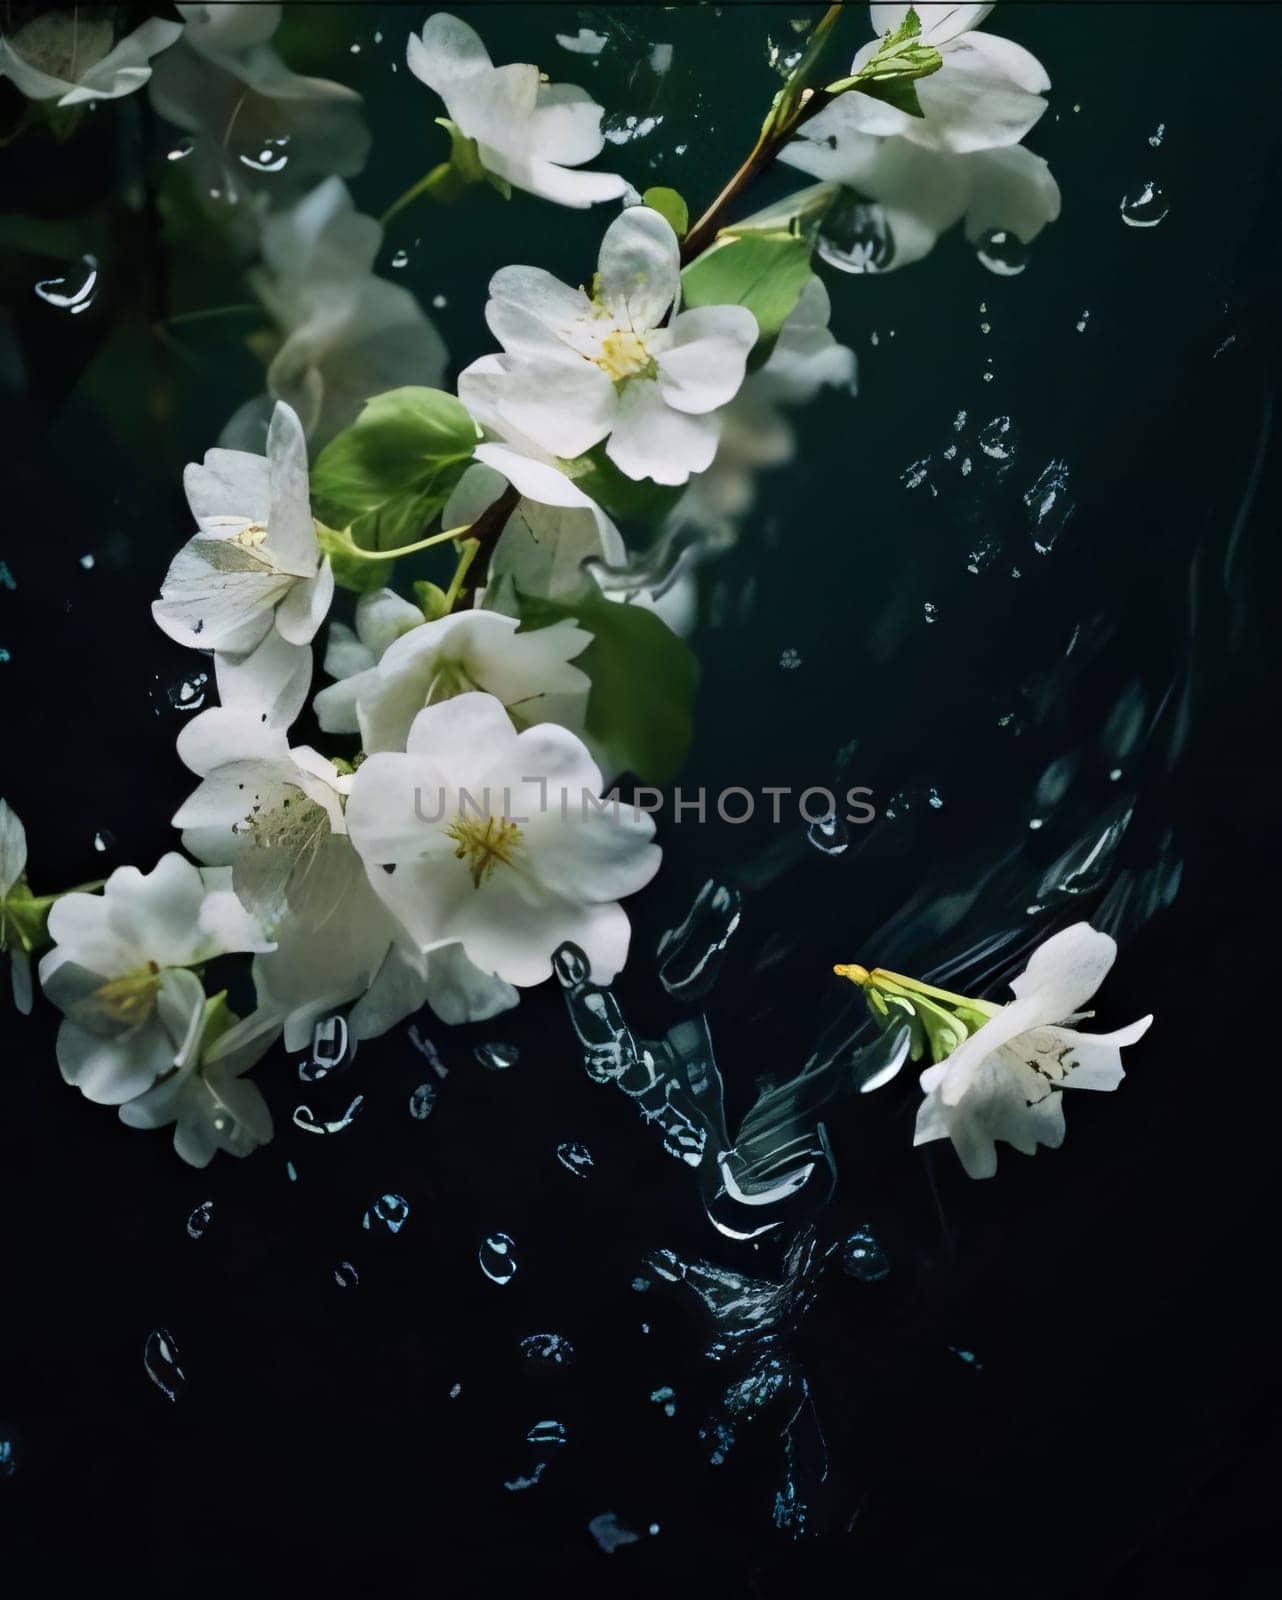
(130, 999)
(483, 843)
(623, 354)
(252, 536)
(856, 974)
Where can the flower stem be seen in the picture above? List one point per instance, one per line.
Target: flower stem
(359, 553)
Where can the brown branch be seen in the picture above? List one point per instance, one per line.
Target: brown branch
(485, 530)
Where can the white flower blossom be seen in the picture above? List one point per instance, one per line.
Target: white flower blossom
(260, 129)
(72, 56)
(494, 842)
(987, 92)
(256, 560)
(347, 334)
(13, 867)
(1005, 1080)
(527, 131)
(529, 672)
(381, 617)
(119, 971)
(578, 370)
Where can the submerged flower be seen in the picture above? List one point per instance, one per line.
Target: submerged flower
(495, 842)
(255, 560)
(347, 334)
(73, 56)
(529, 672)
(986, 93)
(119, 971)
(527, 131)
(999, 1070)
(578, 369)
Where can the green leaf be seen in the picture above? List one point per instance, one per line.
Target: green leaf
(670, 206)
(620, 497)
(640, 706)
(764, 271)
(392, 470)
(898, 92)
(899, 62)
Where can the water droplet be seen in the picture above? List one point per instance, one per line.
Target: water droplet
(547, 1350)
(389, 1211)
(1145, 208)
(933, 800)
(547, 1435)
(1158, 135)
(497, 1256)
(103, 839)
(855, 236)
(574, 1157)
(75, 291)
(439, 302)
(160, 1359)
(271, 156)
(968, 1356)
(187, 695)
(8, 1454)
(497, 1057)
(863, 1257)
(790, 660)
(666, 1397)
(1002, 252)
(993, 439)
(330, 1046)
(200, 1219)
(422, 1100)
(305, 1118)
(181, 150)
(829, 835)
(291, 1172)
(1082, 321)
(401, 259)
(426, 1048)
(456, 1390)
(610, 1533)
(525, 1480)
(930, 612)
(690, 955)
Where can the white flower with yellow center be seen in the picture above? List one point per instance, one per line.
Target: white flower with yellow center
(527, 131)
(119, 970)
(495, 843)
(255, 562)
(578, 369)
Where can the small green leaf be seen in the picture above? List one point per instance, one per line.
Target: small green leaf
(640, 706)
(670, 206)
(899, 62)
(620, 497)
(764, 271)
(898, 92)
(392, 470)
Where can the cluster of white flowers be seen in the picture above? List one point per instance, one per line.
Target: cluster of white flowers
(445, 862)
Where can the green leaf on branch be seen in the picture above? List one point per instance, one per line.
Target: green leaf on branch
(765, 271)
(387, 475)
(900, 61)
(670, 206)
(620, 497)
(640, 706)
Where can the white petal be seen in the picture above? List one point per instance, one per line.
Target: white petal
(651, 440)
(564, 186)
(13, 848)
(305, 607)
(20, 976)
(1012, 190)
(506, 931)
(448, 54)
(217, 596)
(219, 737)
(382, 616)
(536, 480)
(565, 407)
(704, 365)
(460, 992)
(1096, 1060)
(529, 309)
(291, 532)
(1064, 972)
(230, 484)
(345, 655)
(271, 679)
(640, 268)
(111, 1071)
(565, 126)
(973, 103)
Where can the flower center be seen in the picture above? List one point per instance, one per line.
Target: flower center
(624, 355)
(482, 842)
(131, 999)
(252, 536)
(449, 679)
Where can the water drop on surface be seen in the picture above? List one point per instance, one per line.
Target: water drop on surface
(401, 259)
(547, 1350)
(790, 660)
(103, 839)
(389, 1211)
(1145, 208)
(1158, 135)
(160, 1360)
(574, 1157)
(862, 1256)
(75, 291)
(829, 835)
(665, 1396)
(200, 1219)
(422, 1101)
(497, 1057)
(346, 1275)
(1002, 252)
(930, 612)
(497, 1257)
(855, 236)
(271, 156)
(547, 1434)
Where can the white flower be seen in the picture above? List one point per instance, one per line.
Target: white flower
(527, 131)
(921, 192)
(13, 867)
(119, 971)
(494, 845)
(260, 695)
(382, 616)
(255, 560)
(72, 56)
(1004, 1081)
(211, 1104)
(348, 335)
(987, 93)
(259, 128)
(470, 650)
(579, 370)
(754, 432)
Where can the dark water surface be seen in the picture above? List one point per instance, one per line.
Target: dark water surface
(1063, 1384)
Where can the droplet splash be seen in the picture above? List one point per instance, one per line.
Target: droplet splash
(690, 955)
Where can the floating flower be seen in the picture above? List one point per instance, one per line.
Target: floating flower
(529, 672)
(256, 559)
(578, 369)
(73, 56)
(494, 842)
(528, 132)
(119, 971)
(987, 92)
(347, 334)
(999, 1070)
